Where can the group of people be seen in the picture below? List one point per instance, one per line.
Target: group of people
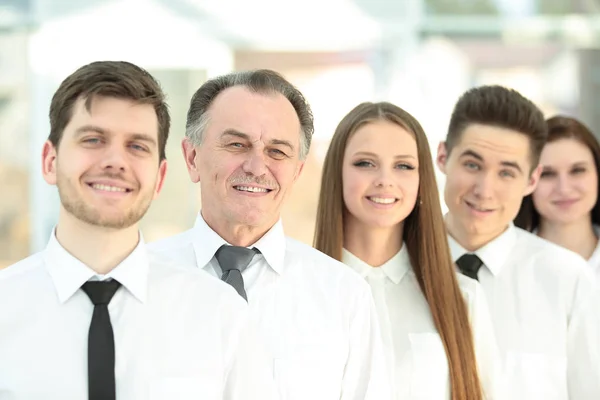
(497, 299)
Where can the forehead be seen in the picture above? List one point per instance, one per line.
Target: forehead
(495, 144)
(115, 116)
(255, 114)
(565, 152)
(382, 138)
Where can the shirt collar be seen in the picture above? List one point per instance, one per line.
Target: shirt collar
(206, 242)
(494, 254)
(69, 274)
(395, 268)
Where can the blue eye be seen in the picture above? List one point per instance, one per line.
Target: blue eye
(138, 147)
(363, 164)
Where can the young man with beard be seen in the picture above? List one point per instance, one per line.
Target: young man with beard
(96, 315)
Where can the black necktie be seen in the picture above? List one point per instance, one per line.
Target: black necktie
(233, 261)
(469, 265)
(101, 343)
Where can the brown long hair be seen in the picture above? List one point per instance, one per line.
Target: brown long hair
(424, 235)
(562, 127)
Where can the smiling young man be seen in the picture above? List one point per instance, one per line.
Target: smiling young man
(542, 297)
(95, 315)
(248, 134)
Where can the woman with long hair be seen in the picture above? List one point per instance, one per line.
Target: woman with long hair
(379, 213)
(564, 208)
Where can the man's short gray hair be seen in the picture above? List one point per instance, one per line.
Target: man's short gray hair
(261, 81)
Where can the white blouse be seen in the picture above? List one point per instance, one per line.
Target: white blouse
(594, 260)
(414, 349)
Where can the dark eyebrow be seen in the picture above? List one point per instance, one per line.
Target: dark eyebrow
(471, 153)
(581, 164)
(89, 128)
(233, 132)
(373, 155)
(477, 156)
(241, 135)
(96, 129)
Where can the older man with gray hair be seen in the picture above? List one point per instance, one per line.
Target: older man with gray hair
(247, 138)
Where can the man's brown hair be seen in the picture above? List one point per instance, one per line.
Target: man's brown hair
(119, 79)
(500, 107)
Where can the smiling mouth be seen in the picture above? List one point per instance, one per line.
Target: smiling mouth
(251, 189)
(382, 200)
(565, 202)
(108, 188)
(474, 207)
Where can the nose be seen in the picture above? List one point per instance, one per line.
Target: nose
(384, 178)
(564, 186)
(484, 186)
(255, 164)
(114, 158)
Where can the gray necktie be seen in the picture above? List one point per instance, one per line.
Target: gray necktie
(233, 261)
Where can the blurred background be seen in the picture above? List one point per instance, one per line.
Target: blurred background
(419, 54)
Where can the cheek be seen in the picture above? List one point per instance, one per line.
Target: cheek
(218, 169)
(409, 186)
(589, 185)
(353, 185)
(284, 173)
(542, 192)
(456, 185)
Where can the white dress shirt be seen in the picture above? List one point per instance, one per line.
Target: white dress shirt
(179, 334)
(415, 351)
(594, 260)
(316, 316)
(544, 307)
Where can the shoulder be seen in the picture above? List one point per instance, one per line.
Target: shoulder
(320, 266)
(22, 269)
(553, 258)
(171, 243)
(178, 248)
(189, 280)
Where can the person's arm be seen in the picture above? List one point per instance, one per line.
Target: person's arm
(366, 376)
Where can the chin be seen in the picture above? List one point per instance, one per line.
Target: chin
(252, 218)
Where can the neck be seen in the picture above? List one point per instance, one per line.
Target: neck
(468, 240)
(101, 249)
(374, 246)
(236, 234)
(577, 236)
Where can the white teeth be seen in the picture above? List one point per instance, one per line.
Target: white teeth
(251, 189)
(381, 200)
(107, 188)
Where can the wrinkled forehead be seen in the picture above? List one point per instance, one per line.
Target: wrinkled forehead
(258, 115)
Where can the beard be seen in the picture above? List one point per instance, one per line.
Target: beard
(116, 218)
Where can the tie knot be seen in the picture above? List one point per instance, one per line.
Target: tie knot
(469, 265)
(234, 257)
(101, 292)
